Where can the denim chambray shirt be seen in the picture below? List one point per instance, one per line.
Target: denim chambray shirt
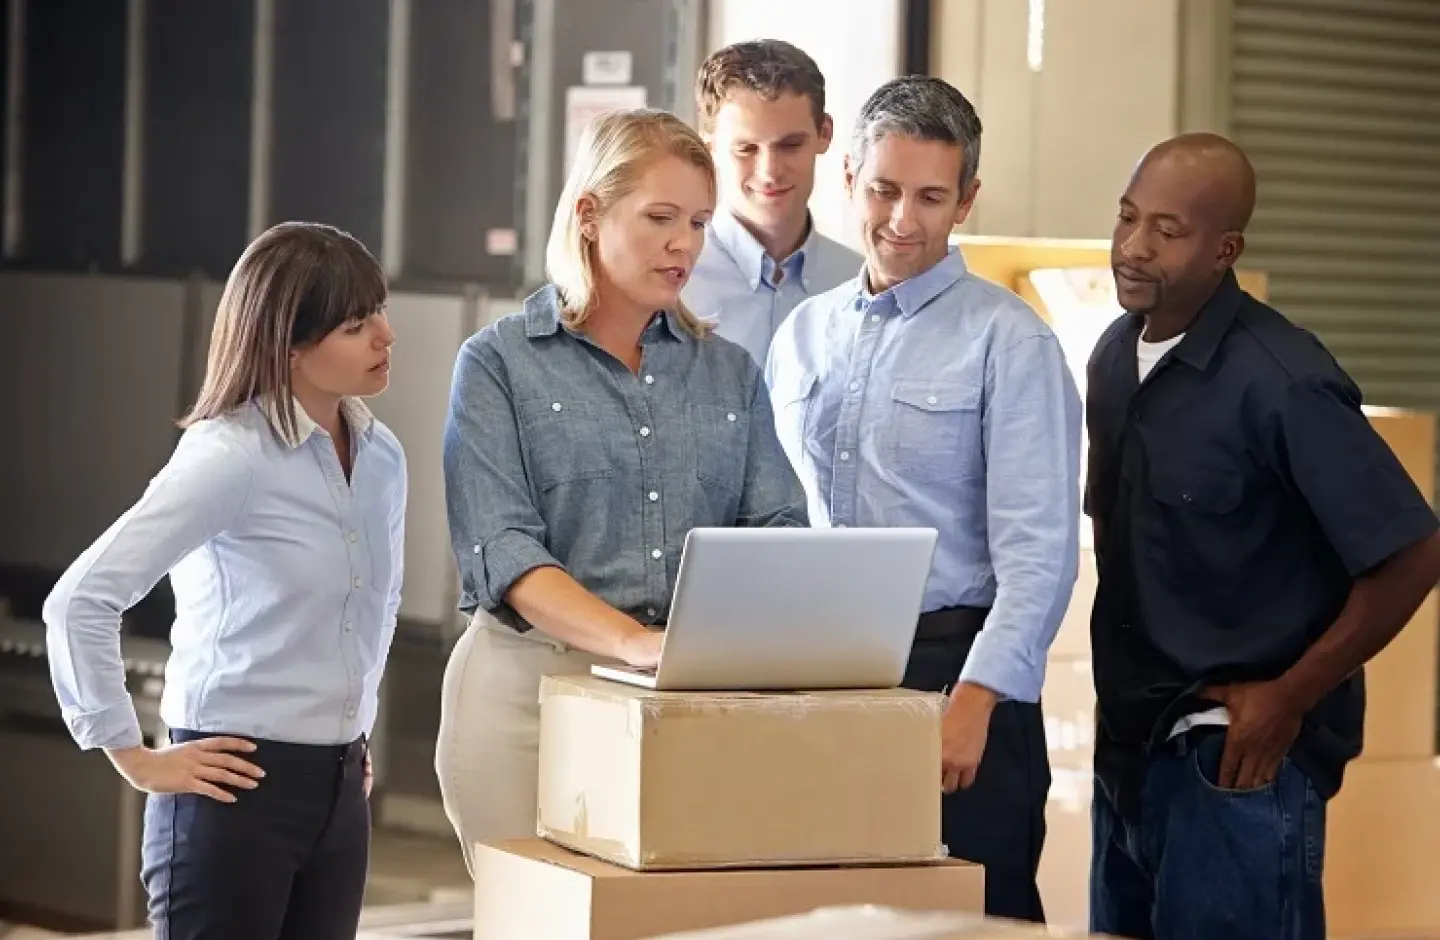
(557, 454)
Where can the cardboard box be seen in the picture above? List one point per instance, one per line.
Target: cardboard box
(1381, 865)
(681, 780)
(874, 923)
(533, 890)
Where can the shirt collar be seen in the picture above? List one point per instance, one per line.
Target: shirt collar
(542, 317)
(913, 294)
(750, 256)
(1203, 336)
(357, 414)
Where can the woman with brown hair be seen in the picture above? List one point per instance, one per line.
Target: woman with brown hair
(587, 436)
(279, 519)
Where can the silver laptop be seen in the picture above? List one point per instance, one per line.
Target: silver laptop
(790, 608)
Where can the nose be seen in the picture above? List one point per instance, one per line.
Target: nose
(384, 332)
(688, 240)
(767, 165)
(1135, 247)
(902, 218)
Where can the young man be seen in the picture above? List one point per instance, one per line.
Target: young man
(918, 394)
(1258, 543)
(761, 106)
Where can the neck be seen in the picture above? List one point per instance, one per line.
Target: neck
(616, 328)
(323, 408)
(779, 241)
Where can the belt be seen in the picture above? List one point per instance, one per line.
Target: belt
(951, 624)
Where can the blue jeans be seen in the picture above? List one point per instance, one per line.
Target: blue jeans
(1204, 862)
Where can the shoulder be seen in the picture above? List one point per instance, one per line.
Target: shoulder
(727, 360)
(1109, 340)
(1288, 353)
(235, 441)
(1010, 319)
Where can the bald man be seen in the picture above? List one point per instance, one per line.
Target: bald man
(1257, 544)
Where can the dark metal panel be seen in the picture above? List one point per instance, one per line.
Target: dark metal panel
(328, 137)
(198, 77)
(460, 151)
(73, 149)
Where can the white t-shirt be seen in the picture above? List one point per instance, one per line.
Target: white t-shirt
(1146, 356)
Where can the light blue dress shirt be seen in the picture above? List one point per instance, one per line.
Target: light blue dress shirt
(747, 294)
(946, 402)
(286, 580)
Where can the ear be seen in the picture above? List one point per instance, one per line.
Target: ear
(967, 202)
(826, 134)
(1232, 245)
(849, 178)
(585, 212)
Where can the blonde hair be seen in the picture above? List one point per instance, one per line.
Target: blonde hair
(292, 286)
(614, 153)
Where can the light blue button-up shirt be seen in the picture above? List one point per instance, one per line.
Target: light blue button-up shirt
(946, 402)
(747, 294)
(286, 580)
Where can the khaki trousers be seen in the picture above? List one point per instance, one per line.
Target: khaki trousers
(488, 752)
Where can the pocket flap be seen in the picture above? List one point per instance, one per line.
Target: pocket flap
(936, 396)
(1201, 490)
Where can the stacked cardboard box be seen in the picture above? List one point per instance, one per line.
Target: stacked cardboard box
(874, 923)
(664, 811)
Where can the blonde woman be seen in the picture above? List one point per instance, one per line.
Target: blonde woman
(587, 435)
(280, 520)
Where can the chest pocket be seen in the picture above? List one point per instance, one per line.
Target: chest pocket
(562, 442)
(934, 430)
(721, 439)
(1206, 492)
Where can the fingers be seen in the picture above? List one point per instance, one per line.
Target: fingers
(209, 789)
(950, 780)
(224, 744)
(228, 777)
(236, 764)
(967, 777)
(1229, 764)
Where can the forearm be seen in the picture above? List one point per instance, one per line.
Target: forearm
(1379, 606)
(557, 605)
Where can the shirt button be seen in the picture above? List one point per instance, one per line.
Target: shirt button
(874, 318)
(555, 406)
(650, 611)
(932, 400)
(359, 582)
(654, 496)
(730, 416)
(351, 537)
(349, 626)
(839, 525)
(844, 455)
(656, 553)
(649, 380)
(644, 432)
(854, 386)
(476, 549)
(350, 712)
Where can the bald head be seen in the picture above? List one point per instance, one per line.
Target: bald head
(1181, 225)
(1215, 170)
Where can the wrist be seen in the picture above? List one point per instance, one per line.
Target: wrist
(1294, 689)
(974, 695)
(627, 632)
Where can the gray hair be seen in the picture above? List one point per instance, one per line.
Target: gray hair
(923, 108)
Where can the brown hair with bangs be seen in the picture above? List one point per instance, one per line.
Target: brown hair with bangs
(291, 287)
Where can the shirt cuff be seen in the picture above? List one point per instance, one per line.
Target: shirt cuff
(504, 560)
(996, 666)
(111, 728)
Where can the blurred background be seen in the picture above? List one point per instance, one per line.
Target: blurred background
(145, 142)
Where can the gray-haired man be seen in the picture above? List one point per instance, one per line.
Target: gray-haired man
(919, 394)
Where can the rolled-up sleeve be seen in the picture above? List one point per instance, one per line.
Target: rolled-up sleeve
(496, 531)
(773, 495)
(195, 497)
(1031, 433)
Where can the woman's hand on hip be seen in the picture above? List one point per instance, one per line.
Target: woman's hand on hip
(198, 766)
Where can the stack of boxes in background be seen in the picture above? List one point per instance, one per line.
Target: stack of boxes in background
(669, 811)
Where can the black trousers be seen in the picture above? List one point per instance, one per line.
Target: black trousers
(286, 861)
(1000, 821)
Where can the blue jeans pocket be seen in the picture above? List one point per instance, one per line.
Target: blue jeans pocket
(1205, 759)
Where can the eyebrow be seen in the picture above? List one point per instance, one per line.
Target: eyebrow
(1164, 216)
(665, 205)
(931, 190)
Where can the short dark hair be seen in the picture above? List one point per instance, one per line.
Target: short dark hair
(923, 108)
(291, 287)
(766, 67)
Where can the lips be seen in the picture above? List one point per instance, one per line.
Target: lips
(382, 366)
(674, 274)
(1131, 276)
